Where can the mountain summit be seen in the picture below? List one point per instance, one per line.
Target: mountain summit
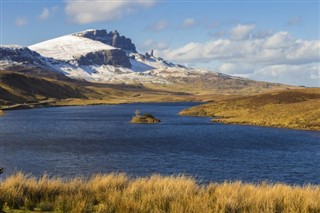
(108, 57)
(112, 38)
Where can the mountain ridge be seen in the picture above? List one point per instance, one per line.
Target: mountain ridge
(89, 56)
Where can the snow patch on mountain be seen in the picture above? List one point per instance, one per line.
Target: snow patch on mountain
(66, 47)
(89, 55)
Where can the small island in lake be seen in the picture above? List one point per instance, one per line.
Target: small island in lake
(144, 119)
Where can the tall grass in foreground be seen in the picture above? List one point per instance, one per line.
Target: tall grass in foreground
(118, 193)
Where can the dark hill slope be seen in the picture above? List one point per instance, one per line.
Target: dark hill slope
(19, 88)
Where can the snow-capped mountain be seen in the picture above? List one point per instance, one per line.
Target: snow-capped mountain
(101, 56)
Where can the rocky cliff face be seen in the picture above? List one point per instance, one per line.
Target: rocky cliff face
(22, 59)
(114, 57)
(112, 38)
(19, 54)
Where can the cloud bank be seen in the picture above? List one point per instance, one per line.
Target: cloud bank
(277, 57)
(89, 11)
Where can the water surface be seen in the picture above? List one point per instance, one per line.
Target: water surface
(71, 141)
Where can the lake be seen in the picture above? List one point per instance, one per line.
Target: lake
(73, 141)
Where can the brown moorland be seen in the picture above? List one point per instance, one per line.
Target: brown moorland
(20, 89)
(292, 108)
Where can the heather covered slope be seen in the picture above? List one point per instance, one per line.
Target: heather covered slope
(298, 108)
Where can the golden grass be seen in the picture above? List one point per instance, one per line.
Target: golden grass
(297, 109)
(118, 193)
(18, 88)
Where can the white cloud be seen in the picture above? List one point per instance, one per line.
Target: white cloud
(48, 12)
(275, 57)
(238, 69)
(188, 22)
(279, 40)
(21, 21)
(241, 32)
(44, 14)
(280, 48)
(89, 11)
(301, 75)
(158, 26)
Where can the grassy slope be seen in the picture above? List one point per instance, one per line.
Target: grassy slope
(297, 108)
(118, 193)
(19, 88)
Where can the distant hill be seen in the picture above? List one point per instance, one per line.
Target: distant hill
(100, 67)
(297, 108)
(105, 57)
(21, 88)
(27, 90)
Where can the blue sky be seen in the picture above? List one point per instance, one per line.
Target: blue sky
(274, 41)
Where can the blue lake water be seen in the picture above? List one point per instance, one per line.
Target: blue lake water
(72, 141)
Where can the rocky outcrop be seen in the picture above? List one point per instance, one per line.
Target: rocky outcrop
(19, 54)
(144, 119)
(115, 57)
(112, 38)
(24, 60)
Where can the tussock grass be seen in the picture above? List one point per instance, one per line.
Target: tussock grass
(298, 108)
(118, 193)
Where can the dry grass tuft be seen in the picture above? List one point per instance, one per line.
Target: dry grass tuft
(118, 193)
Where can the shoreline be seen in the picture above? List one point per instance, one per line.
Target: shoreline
(249, 124)
(64, 103)
(91, 102)
(266, 126)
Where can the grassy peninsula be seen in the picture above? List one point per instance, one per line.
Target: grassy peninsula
(118, 193)
(292, 108)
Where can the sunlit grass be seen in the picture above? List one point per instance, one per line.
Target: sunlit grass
(118, 193)
(293, 109)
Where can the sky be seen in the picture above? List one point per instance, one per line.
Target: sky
(274, 40)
